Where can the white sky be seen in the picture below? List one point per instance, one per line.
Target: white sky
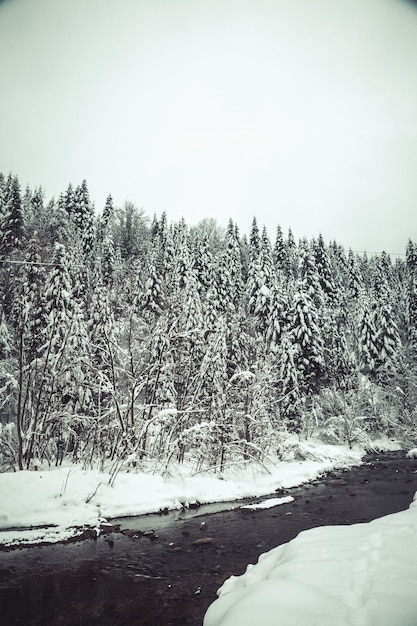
(301, 112)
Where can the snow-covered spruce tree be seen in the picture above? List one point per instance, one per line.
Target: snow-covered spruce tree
(388, 340)
(202, 263)
(8, 444)
(254, 242)
(225, 289)
(355, 279)
(278, 316)
(411, 296)
(163, 247)
(212, 392)
(11, 215)
(5, 337)
(309, 275)
(82, 215)
(75, 418)
(106, 220)
(29, 326)
(338, 265)
(324, 269)
(237, 342)
(260, 283)
(291, 260)
(108, 261)
(290, 401)
(58, 307)
(152, 297)
(338, 350)
(307, 334)
(367, 338)
(182, 256)
(102, 349)
(279, 251)
(188, 343)
(233, 251)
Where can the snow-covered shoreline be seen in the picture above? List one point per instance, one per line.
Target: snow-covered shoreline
(59, 502)
(357, 575)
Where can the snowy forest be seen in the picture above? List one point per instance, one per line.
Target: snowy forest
(125, 338)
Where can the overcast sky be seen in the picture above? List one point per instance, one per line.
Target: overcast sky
(300, 112)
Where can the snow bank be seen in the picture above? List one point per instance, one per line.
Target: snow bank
(71, 496)
(358, 575)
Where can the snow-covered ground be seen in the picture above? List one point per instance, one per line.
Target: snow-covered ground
(359, 575)
(70, 496)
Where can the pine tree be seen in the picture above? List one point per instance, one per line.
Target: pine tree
(83, 218)
(58, 297)
(411, 295)
(291, 400)
(106, 220)
(291, 257)
(265, 259)
(254, 242)
(260, 283)
(306, 333)
(355, 280)
(309, 275)
(11, 214)
(388, 340)
(152, 299)
(108, 261)
(202, 262)
(214, 380)
(223, 281)
(367, 338)
(233, 251)
(324, 269)
(278, 253)
(278, 317)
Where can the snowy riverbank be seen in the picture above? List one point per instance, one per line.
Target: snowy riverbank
(357, 575)
(58, 500)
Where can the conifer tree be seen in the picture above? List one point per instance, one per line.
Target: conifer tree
(324, 269)
(388, 342)
(355, 280)
(291, 257)
(233, 251)
(223, 280)
(278, 253)
(152, 299)
(254, 242)
(11, 214)
(278, 317)
(108, 261)
(290, 404)
(368, 350)
(309, 275)
(411, 295)
(58, 297)
(83, 218)
(307, 335)
(202, 263)
(106, 219)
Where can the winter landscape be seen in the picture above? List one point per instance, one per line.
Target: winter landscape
(208, 313)
(149, 366)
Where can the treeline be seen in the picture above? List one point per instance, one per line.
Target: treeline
(129, 339)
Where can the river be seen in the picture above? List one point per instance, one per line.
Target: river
(168, 577)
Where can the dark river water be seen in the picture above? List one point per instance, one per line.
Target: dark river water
(165, 578)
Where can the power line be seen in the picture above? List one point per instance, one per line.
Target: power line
(369, 252)
(41, 263)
